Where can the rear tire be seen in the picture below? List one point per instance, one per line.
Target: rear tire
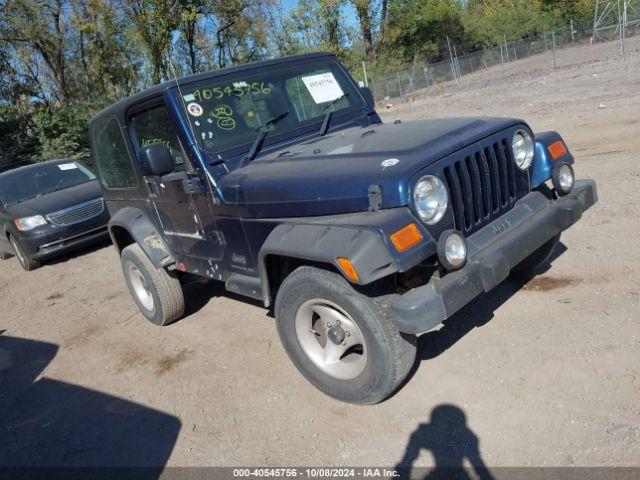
(5, 255)
(26, 262)
(363, 367)
(157, 292)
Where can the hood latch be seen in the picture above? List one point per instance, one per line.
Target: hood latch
(375, 198)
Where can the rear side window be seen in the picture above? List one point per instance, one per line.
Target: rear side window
(114, 162)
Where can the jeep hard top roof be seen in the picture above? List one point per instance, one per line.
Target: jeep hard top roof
(119, 108)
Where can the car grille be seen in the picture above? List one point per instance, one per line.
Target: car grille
(77, 213)
(482, 184)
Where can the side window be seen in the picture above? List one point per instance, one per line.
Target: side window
(154, 126)
(114, 162)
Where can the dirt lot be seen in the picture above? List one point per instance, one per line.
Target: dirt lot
(547, 374)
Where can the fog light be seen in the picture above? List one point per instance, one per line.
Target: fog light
(452, 250)
(563, 179)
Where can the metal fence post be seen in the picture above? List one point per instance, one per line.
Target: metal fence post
(623, 26)
(553, 40)
(453, 64)
(502, 62)
(364, 70)
(573, 38)
(506, 48)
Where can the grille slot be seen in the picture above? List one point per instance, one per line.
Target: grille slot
(482, 185)
(77, 213)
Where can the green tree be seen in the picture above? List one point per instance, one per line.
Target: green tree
(489, 22)
(154, 22)
(421, 27)
(321, 24)
(62, 132)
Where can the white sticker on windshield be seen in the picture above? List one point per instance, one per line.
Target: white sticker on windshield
(67, 166)
(323, 87)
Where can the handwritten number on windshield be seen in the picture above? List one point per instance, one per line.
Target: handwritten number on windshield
(238, 89)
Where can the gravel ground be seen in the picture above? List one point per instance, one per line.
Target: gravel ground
(545, 374)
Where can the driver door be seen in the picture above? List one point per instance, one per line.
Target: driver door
(170, 197)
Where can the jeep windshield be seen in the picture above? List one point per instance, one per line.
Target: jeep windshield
(228, 112)
(30, 182)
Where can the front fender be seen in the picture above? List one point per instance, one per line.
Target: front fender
(363, 238)
(543, 162)
(144, 233)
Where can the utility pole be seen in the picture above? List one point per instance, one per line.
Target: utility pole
(616, 18)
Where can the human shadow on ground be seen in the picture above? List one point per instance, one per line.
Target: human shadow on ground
(46, 423)
(450, 440)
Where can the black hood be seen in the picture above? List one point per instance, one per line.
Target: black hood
(332, 174)
(56, 201)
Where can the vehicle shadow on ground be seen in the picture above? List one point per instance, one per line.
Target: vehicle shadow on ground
(79, 252)
(48, 423)
(450, 441)
(476, 314)
(198, 293)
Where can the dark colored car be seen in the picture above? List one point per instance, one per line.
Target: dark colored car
(49, 208)
(279, 179)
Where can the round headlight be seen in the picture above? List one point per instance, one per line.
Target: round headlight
(563, 179)
(430, 198)
(452, 250)
(523, 149)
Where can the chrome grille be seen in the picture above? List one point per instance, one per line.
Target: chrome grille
(77, 213)
(482, 184)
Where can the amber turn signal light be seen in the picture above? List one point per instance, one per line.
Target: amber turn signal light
(557, 149)
(348, 269)
(407, 237)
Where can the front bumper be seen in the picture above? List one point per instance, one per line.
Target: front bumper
(492, 252)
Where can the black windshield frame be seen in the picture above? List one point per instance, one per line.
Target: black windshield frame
(358, 106)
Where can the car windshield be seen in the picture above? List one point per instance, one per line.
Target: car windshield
(25, 184)
(225, 113)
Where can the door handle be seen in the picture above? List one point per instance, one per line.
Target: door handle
(153, 188)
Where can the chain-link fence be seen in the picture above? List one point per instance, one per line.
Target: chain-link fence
(498, 60)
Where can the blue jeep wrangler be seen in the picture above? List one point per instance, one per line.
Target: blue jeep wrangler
(279, 179)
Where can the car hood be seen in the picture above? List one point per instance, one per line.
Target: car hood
(57, 201)
(332, 174)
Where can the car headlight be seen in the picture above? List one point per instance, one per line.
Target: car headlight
(430, 198)
(29, 223)
(563, 178)
(523, 149)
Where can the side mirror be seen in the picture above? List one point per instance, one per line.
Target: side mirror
(158, 158)
(368, 95)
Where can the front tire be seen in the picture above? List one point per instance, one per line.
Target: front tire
(26, 262)
(157, 293)
(341, 340)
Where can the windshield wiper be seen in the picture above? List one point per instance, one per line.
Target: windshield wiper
(257, 143)
(329, 115)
